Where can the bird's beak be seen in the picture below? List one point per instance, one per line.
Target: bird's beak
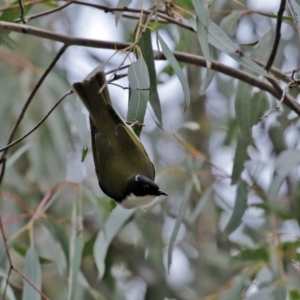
(162, 193)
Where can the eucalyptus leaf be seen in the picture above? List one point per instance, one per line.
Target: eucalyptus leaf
(181, 214)
(239, 208)
(33, 273)
(240, 157)
(118, 14)
(221, 41)
(111, 227)
(145, 44)
(75, 261)
(175, 65)
(139, 83)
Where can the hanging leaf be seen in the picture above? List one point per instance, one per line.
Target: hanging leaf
(33, 273)
(147, 53)
(258, 107)
(118, 14)
(111, 227)
(240, 157)
(139, 83)
(221, 41)
(173, 62)
(285, 162)
(181, 214)
(239, 208)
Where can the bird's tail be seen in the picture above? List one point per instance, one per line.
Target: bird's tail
(89, 93)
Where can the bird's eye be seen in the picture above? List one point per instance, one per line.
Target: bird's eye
(146, 186)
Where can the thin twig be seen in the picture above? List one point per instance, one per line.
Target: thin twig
(21, 11)
(291, 84)
(277, 37)
(44, 13)
(38, 124)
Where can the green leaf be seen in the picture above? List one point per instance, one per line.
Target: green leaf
(111, 227)
(181, 214)
(75, 261)
(33, 273)
(229, 24)
(256, 254)
(240, 157)
(118, 14)
(200, 205)
(173, 62)
(242, 107)
(88, 246)
(294, 294)
(202, 28)
(12, 159)
(276, 134)
(147, 53)
(295, 12)
(259, 106)
(285, 162)
(139, 83)
(60, 236)
(239, 208)
(221, 41)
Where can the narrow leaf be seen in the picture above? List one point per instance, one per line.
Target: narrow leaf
(239, 209)
(285, 162)
(118, 14)
(173, 62)
(111, 227)
(221, 41)
(33, 273)
(139, 83)
(242, 105)
(181, 214)
(60, 236)
(12, 159)
(202, 28)
(145, 44)
(295, 12)
(240, 157)
(201, 204)
(259, 106)
(74, 267)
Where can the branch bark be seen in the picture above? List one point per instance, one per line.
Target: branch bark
(180, 56)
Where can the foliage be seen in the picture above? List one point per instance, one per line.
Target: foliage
(221, 128)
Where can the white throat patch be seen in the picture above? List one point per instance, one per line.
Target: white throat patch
(132, 201)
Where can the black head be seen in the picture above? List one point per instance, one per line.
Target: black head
(140, 186)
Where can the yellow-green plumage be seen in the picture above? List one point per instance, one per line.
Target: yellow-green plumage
(118, 152)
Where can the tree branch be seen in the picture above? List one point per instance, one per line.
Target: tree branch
(180, 56)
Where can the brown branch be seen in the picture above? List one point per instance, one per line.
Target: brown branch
(180, 56)
(277, 37)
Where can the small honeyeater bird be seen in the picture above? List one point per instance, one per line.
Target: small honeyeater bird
(124, 170)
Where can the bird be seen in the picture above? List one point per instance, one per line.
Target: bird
(124, 170)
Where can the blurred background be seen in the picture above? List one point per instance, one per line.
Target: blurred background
(220, 234)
